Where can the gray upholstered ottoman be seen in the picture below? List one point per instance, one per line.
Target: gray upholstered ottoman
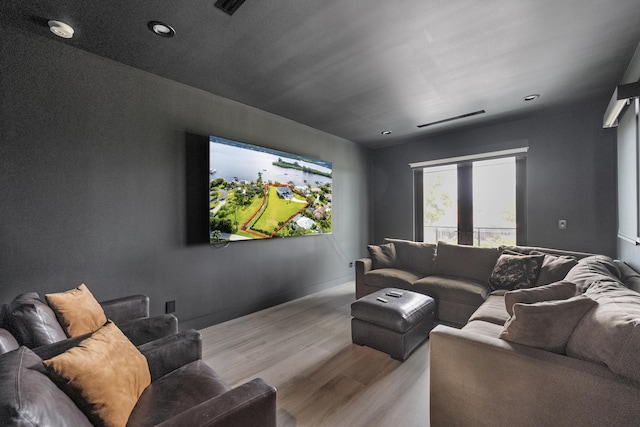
(392, 320)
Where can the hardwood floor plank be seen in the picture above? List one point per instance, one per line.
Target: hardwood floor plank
(304, 349)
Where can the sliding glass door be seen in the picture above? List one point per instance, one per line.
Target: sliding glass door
(474, 203)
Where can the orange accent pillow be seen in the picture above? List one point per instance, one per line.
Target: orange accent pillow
(104, 375)
(77, 311)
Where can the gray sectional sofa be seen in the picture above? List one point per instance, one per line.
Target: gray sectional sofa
(549, 362)
(456, 276)
(558, 345)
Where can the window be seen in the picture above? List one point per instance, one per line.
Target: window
(478, 203)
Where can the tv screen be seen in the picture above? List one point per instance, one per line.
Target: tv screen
(260, 193)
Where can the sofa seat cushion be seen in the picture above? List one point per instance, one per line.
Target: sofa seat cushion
(29, 398)
(177, 392)
(456, 298)
(414, 256)
(391, 278)
(492, 310)
(481, 327)
(459, 289)
(610, 332)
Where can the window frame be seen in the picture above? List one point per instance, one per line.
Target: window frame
(465, 193)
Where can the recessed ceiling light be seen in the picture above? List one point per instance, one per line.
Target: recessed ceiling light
(161, 29)
(386, 132)
(61, 29)
(531, 97)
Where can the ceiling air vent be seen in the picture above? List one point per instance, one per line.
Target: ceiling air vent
(450, 119)
(229, 6)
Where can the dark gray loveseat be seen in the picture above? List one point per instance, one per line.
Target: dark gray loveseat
(184, 391)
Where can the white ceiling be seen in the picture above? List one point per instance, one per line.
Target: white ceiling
(354, 68)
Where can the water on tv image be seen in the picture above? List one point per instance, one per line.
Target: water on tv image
(260, 193)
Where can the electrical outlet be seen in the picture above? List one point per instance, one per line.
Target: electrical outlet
(170, 306)
(350, 264)
(562, 224)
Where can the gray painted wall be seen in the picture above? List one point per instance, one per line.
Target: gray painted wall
(571, 174)
(93, 161)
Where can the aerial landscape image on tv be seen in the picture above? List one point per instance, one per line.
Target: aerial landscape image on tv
(260, 193)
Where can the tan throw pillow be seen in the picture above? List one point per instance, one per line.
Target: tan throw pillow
(515, 271)
(104, 375)
(77, 311)
(546, 325)
(554, 291)
(382, 256)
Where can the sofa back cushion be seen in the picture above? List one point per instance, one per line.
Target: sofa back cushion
(29, 397)
(32, 322)
(593, 269)
(628, 275)
(558, 252)
(382, 256)
(610, 332)
(414, 256)
(469, 262)
(554, 267)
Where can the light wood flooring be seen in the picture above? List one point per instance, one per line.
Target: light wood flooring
(304, 349)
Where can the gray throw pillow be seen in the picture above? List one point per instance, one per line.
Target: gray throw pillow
(383, 256)
(554, 291)
(554, 267)
(546, 325)
(515, 271)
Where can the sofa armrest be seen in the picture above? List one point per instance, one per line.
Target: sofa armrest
(141, 331)
(250, 404)
(363, 266)
(7, 341)
(169, 353)
(485, 381)
(126, 308)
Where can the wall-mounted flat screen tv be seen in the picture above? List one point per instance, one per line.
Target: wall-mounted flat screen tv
(260, 193)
